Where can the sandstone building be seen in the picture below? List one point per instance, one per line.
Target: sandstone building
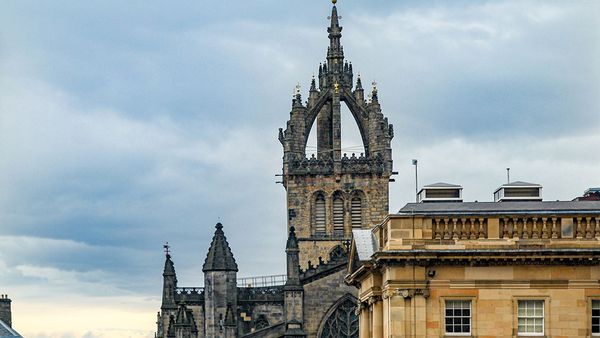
(515, 267)
(328, 195)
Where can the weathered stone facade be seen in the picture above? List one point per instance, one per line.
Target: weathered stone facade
(327, 196)
(331, 193)
(514, 269)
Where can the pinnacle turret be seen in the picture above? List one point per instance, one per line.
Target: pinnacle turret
(169, 267)
(219, 256)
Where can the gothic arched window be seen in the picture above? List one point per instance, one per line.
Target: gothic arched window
(356, 212)
(261, 323)
(342, 321)
(320, 215)
(338, 216)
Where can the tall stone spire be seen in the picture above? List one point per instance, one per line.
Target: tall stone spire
(335, 51)
(219, 256)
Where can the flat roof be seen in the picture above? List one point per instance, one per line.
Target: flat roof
(492, 208)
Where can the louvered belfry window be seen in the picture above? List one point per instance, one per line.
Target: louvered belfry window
(320, 215)
(356, 212)
(338, 216)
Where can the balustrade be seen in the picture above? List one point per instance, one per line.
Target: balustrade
(513, 227)
(459, 228)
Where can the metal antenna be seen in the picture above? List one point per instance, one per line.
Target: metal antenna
(416, 164)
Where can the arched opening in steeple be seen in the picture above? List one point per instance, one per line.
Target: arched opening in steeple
(351, 137)
(311, 144)
(352, 142)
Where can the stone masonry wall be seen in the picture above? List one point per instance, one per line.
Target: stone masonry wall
(300, 200)
(319, 296)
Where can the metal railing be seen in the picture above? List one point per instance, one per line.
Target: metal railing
(262, 281)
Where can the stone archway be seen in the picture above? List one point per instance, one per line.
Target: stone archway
(341, 320)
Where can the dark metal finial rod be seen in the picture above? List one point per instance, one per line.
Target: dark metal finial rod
(166, 247)
(416, 164)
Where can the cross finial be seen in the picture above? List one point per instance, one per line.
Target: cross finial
(167, 246)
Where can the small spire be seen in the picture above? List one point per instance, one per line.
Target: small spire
(169, 266)
(358, 83)
(313, 84)
(219, 256)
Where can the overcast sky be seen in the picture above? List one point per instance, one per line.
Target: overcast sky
(127, 124)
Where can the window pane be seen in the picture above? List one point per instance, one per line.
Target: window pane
(458, 316)
(595, 316)
(530, 316)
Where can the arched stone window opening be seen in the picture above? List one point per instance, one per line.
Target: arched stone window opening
(356, 212)
(338, 216)
(320, 215)
(261, 323)
(341, 320)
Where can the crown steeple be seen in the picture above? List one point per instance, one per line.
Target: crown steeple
(219, 256)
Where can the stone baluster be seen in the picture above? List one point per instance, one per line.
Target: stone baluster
(455, 233)
(554, 227)
(464, 229)
(505, 228)
(437, 231)
(482, 231)
(447, 230)
(474, 231)
(588, 228)
(597, 227)
(526, 228)
(535, 228)
(545, 227)
(512, 230)
(520, 226)
(579, 229)
(515, 228)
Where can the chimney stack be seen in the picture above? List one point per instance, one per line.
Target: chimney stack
(5, 313)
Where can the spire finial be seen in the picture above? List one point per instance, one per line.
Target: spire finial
(334, 2)
(167, 247)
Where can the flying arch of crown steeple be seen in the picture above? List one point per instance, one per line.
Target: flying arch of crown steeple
(335, 85)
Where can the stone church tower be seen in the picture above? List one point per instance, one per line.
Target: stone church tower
(328, 196)
(332, 193)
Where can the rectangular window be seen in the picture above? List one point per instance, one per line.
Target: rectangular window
(458, 317)
(596, 317)
(531, 317)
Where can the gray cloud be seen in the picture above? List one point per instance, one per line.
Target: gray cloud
(124, 127)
